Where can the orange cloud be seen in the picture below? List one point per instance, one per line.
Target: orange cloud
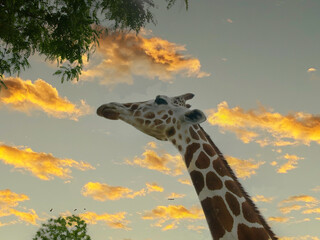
(42, 165)
(102, 191)
(9, 201)
(123, 55)
(300, 198)
(261, 198)
(117, 220)
(174, 213)
(291, 164)
(176, 195)
(309, 211)
(26, 96)
(185, 181)
(311, 70)
(279, 219)
(165, 163)
(153, 187)
(252, 125)
(243, 168)
(306, 237)
(288, 209)
(196, 228)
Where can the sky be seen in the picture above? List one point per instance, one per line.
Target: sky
(254, 67)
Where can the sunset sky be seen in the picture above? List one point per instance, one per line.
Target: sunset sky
(254, 67)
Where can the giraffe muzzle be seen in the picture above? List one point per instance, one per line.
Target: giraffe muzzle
(109, 111)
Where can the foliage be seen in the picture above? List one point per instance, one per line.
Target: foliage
(63, 228)
(64, 30)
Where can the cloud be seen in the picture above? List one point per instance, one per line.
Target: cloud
(102, 191)
(117, 220)
(299, 198)
(261, 198)
(41, 165)
(153, 187)
(165, 163)
(198, 229)
(316, 189)
(9, 201)
(173, 213)
(229, 20)
(252, 125)
(311, 70)
(291, 164)
(279, 219)
(289, 209)
(123, 55)
(306, 237)
(243, 168)
(309, 211)
(185, 181)
(26, 96)
(176, 195)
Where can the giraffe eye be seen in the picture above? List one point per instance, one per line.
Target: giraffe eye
(160, 101)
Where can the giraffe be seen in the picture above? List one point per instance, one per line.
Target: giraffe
(229, 211)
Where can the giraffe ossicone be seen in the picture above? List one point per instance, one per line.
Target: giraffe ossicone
(229, 211)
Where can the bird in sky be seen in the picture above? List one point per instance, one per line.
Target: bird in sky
(51, 209)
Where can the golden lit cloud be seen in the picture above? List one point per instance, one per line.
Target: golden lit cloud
(173, 213)
(26, 96)
(102, 191)
(309, 211)
(123, 55)
(291, 164)
(311, 70)
(196, 228)
(252, 125)
(261, 198)
(185, 181)
(243, 168)
(117, 220)
(42, 165)
(279, 219)
(300, 198)
(176, 195)
(165, 163)
(306, 237)
(153, 187)
(288, 209)
(9, 201)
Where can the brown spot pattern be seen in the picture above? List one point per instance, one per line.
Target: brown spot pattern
(188, 140)
(196, 127)
(157, 122)
(149, 115)
(220, 168)
(170, 132)
(209, 150)
(180, 148)
(168, 120)
(233, 203)
(148, 122)
(217, 215)
(140, 120)
(134, 107)
(203, 161)
(170, 112)
(191, 149)
(233, 187)
(164, 116)
(198, 181)
(174, 120)
(216, 229)
(247, 233)
(202, 135)
(249, 213)
(137, 114)
(193, 134)
(213, 181)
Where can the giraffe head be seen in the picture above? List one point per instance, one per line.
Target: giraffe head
(159, 117)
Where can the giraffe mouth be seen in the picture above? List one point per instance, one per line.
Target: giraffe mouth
(108, 111)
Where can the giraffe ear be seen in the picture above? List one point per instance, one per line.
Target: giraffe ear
(194, 116)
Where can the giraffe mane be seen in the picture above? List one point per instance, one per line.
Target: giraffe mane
(245, 194)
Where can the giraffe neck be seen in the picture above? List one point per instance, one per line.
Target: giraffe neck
(229, 211)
